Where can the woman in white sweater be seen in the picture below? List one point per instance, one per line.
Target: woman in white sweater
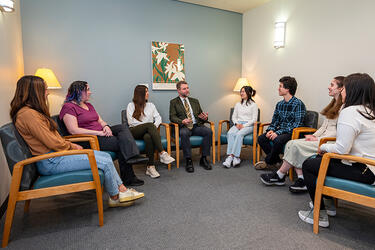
(297, 151)
(143, 120)
(355, 136)
(244, 115)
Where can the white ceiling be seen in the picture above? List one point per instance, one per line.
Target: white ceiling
(240, 6)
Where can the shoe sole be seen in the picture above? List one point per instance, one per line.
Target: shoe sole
(152, 176)
(132, 198)
(331, 213)
(311, 221)
(167, 162)
(272, 183)
(296, 190)
(122, 204)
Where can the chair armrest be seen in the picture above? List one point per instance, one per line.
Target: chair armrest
(176, 131)
(18, 167)
(167, 134)
(325, 139)
(92, 139)
(261, 127)
(297, 131)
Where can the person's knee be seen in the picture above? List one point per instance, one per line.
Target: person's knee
(147, 137)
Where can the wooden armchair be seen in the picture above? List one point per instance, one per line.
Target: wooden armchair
(195, 141)
(352, 191)
(26, 184)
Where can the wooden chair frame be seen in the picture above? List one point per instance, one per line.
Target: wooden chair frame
(168, 136)
(16, 195)
(255, 138)
(177, 141)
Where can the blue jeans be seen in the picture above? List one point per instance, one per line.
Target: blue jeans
(70, 163)
(235, 139)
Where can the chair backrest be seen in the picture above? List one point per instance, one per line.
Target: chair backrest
(311, 119)
(231, 114)
(63, 131)
(124, 118)
(15, 150)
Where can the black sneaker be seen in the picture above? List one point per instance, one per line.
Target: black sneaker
(298, 187)
(272, 179)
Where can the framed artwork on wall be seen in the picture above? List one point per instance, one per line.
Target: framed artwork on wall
(168, 65)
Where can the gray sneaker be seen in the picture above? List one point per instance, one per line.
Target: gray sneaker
(308, 217)
(330, 206)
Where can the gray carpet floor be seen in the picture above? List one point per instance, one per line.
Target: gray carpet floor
(217, 209)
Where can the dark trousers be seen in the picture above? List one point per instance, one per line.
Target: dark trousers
(122, 142)
(275, 149)
(203, 131)
(149, 133)
(337, 169)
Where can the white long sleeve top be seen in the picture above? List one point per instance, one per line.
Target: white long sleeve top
(151, 114)
(355, 135)
(328, 129)
(245, 113)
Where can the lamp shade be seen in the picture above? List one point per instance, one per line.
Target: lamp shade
(49, 77)
(7, 5)
(240, 83)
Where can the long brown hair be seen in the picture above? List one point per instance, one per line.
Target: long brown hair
(139, 101)
(333, 108)
(31, 92)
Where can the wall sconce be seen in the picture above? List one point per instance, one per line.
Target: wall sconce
(49, 77)
(7, 5)
(240, 83)
(279, 40)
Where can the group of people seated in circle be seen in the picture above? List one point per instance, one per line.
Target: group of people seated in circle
(350, 116)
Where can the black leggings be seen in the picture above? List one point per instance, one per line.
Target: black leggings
(151, 136)
(337, 169)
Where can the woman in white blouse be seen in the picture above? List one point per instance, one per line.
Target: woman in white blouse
(297, 151)
(143, 120)
(244, 115)
(355, 136)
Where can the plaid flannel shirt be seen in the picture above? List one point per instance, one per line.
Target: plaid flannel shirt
(287, 116)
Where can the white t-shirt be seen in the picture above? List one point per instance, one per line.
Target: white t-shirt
(245, 113)
(355, 135)
(150, 115)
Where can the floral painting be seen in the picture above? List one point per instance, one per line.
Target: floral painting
(168, 64)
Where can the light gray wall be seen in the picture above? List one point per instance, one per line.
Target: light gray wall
(11, 68)
(324, 38)
(108, 44)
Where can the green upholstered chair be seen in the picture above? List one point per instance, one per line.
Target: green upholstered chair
(27, 184)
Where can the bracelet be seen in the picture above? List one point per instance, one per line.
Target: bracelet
(105, 126)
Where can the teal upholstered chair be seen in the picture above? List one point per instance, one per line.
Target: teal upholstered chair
(165, 140)
(63, 131)
(27, 184)
(195, 141)
(352, 191)
(248, 140)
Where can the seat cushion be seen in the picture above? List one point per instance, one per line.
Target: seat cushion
(247, 140)
(350, 186)
(195, 140)
(66, 178)
(112, 154)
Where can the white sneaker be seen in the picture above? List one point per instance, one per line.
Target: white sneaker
(308, 217)
(236, 162)
(130, 195)
(166, 158)
(330, 206)
(151, 171)
(228, 161)
(117, 203)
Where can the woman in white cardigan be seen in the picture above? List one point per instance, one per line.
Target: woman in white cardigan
(143, 120)
(355, 136)
(297, 151)
(244, 115)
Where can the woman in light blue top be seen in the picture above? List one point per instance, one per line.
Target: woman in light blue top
(244, 115)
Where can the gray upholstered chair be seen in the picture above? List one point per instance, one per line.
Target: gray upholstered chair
(27, 184)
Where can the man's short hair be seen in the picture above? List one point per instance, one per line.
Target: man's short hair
(178, 85)
(289, 83)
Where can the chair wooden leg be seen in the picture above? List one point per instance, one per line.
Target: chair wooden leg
(178, 153)
(291, 174)
(254, 154)
(317, 201)
(336, 202)
(9, 218)
(27, 206)
(218, 150)
(213, 148)
(99, 200)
